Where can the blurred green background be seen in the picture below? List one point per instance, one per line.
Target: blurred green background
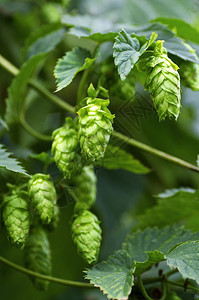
(121, 194)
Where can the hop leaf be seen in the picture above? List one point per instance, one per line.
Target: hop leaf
(16, 217)
(85, 184)
(65, 147)
(86, 235)
(42, 196)
(37, 256)
(118, 89)
(95, 127)
(163, 82)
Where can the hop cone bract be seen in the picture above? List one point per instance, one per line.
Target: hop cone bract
(16, 217)
(64, 148)
(86, 234)
(55, 220)
(85, 184)
(95, 127)
(37, 256)
(163, 82)
(42, 196)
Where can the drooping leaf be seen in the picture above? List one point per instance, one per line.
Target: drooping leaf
(43, 40)
(17, 89)
(185, 257)
(116, 158)
(172, 204)
(114, 276)
(10, 163)
(139, 252)
(44, 157)
(127, 51)
(182, 29)
(72, 63)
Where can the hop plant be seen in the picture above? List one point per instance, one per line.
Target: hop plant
(55, 220)
(42, 196)
(65, 149)
(86, 235)
(16, 217)
(95, 126)
(189, 72)
(37, 256)
(162, 81)
(85, 183)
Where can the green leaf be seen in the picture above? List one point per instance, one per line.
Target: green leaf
(114, 276)
(43, 40)
(173, 44)
(127, 51)
(182, 29)
(17, 89)
(116, 158)
(171, 203)
(44, 157)
(185, 257)
(72, 63)
(148, 247)
(10, 163)
(140, 251)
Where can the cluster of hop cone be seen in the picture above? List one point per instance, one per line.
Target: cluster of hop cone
(32, 208)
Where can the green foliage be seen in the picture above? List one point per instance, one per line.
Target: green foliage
(16, 217)
(16, 91)
(127, 51)
(140, 251)
(37, 256)
(184, 257)
(65, 148)
(43, 41)
(10, 163)
(95, 127)
(42, 196)
(171, 203)
(116, 158)
(163, 82)
(86, 234)
(72, 63)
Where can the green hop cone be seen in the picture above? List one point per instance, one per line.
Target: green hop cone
(37, 256)
(42, 196)
(86, 235)
(95, 127)
(65, 149)
(85, 184)
(162, 81)
(16, 217)
(189, 71)
(55, 220)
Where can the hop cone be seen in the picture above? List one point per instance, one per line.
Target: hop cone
(54, 221)
(163, 82)
(86, 235)
(95, 127)
(16, 217)
(65, 147)
(85, 183)
(189, 71)
(42, 196)
(37, 256)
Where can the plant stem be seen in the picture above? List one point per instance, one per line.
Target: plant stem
(189, 287)
(14, 71)
(141, 286)
(53, 98)
(33, 132)
(155, 152)
(43, 277)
